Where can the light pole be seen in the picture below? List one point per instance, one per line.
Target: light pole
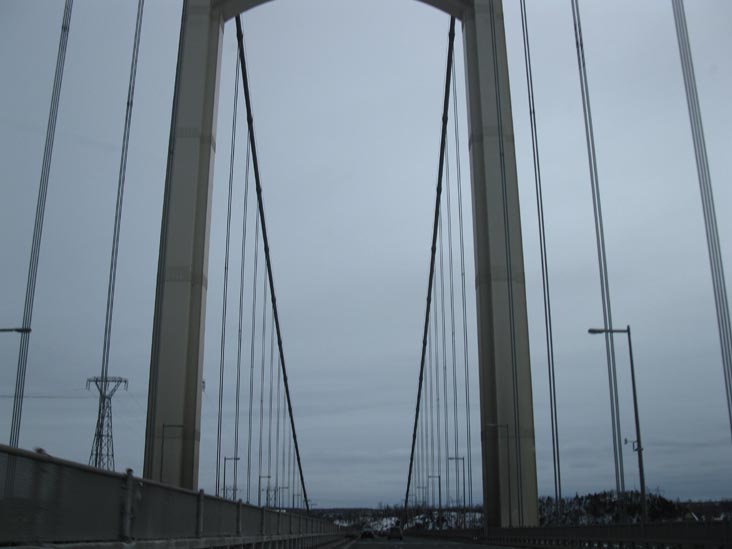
(439, 489)
(462, 461)
(278, 499)
(234, 459)
(259, 492)
(424, 497)
(508, 469)
(16, 330)
(638, 446)
(162, 445)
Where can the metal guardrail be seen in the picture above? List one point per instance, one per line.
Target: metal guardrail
(48, 500)
(669, 534)
(708, 535)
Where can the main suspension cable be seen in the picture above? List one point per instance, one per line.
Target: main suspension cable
(443, 139)
(265, 239)
(30, 291)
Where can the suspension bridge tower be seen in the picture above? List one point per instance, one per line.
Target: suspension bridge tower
(176, 363)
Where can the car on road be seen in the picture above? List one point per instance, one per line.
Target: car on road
(367, 533)
(395, 533)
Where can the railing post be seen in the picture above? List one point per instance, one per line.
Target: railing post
(238, 518)
(199, 514)
(128, 494)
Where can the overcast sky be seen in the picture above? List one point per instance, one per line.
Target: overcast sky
(347, 103)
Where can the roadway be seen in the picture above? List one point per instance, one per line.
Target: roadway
(412, 543)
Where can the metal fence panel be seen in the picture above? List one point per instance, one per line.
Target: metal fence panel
(162, 512)
(48, 500)
(37, 496)
(219, 517)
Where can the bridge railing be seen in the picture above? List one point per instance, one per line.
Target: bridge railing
(46, 499)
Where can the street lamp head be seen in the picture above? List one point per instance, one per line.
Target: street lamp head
(595, 331)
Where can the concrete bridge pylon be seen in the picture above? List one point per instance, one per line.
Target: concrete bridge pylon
(176, 364)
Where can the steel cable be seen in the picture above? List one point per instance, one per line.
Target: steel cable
(462, 284)
(544, 261)
(251, 356)
(265, 240)
(241, 316)
(102, 409)
(601, 254)
(443, 137)
(226, 285)
(269, 415)
(30, 292)
(444, 351)
(261, 389)
(456, 437)
(707, 197)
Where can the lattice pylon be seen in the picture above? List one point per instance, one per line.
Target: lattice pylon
(102, 452)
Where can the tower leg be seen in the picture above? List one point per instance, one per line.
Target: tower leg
(506, 408)
(174, 399)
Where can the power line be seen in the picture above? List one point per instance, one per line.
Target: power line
(443, 139)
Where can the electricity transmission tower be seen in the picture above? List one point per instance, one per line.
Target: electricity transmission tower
(102, 452)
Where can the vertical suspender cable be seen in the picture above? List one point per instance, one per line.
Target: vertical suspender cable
(443, 140)
(102, 411)
(462, 284)
(30, 291)
(430, 402)
(456, 436)
(705, 187)
(251, 354)
(226, 285)
(437, 401)
(269, 415)
(444, 352)
(544, 262)
(277, 431)
(261, 388)
(601, 255)
(241, 316)
(265, 239)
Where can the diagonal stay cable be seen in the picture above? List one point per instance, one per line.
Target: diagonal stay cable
(443, 140)
(265, 240)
